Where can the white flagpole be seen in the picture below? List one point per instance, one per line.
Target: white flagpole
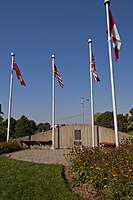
(92, 98)
(10, 97)
(107, 2)
(53, 102)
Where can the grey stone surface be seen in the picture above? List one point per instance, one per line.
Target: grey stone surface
(47, 156)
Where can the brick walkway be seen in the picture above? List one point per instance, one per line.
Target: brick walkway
(48, 156)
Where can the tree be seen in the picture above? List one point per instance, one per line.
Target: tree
(33, 126)
(1, 118)
(13, 123)
(2, 128)
(131, 111)
(96, 115)
(1, 113)
(47, 126)
(41, 127)
(105, 120)
(130, 127)
(130, 121)
(122, 123)
(23, 127)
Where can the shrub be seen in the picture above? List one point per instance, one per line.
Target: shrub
(9, 147)
(110, 171)
(120, 188)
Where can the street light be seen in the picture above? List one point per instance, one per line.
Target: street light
(82, 106)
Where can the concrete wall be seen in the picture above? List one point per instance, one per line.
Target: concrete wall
(108, 135)
(64, 135)
(42, 136)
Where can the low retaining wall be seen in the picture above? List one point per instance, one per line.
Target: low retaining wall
(65, 136)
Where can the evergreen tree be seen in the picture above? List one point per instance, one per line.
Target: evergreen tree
(42, 127)
(2, 128)
(105, 120)
(23, 127)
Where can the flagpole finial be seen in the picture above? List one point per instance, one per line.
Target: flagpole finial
(106, 1)
(13, 54)
(89, 41)
(53, 56)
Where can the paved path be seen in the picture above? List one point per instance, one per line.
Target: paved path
(47, 156)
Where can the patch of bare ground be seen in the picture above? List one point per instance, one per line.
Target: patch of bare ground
(86, 191)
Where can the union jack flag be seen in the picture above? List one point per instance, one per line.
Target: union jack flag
(93, 69)
(57, 75)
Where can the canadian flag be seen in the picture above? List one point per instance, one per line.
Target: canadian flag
(114, 35)
(15, 67)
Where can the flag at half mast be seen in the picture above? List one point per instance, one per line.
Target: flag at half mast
(114, 36)
(93, 69)
(19, 76)
(57, 75)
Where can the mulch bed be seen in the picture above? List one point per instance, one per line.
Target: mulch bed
(86, 192)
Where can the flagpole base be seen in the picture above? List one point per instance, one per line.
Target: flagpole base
(52, 148)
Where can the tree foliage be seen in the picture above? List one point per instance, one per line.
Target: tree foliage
(13, 123)
(122, 123)
(24, 127)
(96, 115)
(2, 128)
(131, 111)
(42, 127)
(21, 127)
(33, 127)
(106, 119)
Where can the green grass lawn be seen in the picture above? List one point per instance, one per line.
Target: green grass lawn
(30, 181)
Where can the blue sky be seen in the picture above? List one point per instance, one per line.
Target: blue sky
(36, 29)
